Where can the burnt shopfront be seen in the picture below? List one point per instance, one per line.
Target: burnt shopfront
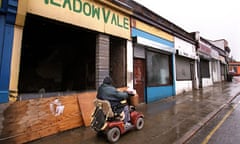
(68, 46)
(153, 62)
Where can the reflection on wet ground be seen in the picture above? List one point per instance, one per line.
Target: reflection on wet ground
(166, 121)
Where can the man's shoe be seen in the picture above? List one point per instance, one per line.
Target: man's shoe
(128, 125)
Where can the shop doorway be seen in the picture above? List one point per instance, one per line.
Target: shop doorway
(139, 78)
(118, 61)
(192, 70)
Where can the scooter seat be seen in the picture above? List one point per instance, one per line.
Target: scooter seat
(106, 107)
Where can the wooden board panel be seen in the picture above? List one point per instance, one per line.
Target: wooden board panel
(86, 105)
(28, 120)
(24, 121)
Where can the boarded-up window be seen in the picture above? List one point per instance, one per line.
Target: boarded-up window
(183, 71)
(204, 69)
(158, 69)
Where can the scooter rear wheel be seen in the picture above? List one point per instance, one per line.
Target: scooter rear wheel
(113, 134)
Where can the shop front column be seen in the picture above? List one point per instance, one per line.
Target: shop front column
(15, 62)
(129, 64)
(102, 57)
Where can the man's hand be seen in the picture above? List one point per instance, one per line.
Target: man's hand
(131, 91)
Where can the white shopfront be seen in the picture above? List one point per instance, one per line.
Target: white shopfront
(185, 65)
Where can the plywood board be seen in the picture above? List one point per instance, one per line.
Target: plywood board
(85, 100)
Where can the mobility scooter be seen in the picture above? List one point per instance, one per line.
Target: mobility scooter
(105, 122)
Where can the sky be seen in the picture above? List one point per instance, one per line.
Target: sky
(214, 19)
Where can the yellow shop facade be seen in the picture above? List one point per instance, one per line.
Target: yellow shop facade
(67, 46)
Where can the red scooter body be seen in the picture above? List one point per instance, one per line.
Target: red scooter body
(120, 124)
(113, 127)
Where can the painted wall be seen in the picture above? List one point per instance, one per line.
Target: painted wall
(157, 93)
(207, 82)
(101, 16)
(183, 86)
(151, 30)
(7, 21)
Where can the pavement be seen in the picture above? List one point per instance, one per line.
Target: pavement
(172, 120)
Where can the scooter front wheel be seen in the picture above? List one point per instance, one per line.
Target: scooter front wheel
(139, 123)
(113, 134)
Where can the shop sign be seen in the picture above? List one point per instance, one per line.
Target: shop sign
(152, 30)
(85, 13)
(153, 44)
(204, 56)
(214, 54)
(205, 49)
(186, 54)
(184, 48)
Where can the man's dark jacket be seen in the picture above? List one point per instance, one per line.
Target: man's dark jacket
(110, 93)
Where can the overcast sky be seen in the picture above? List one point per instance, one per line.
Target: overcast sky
(214, 19)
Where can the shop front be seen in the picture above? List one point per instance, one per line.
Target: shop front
(53, 56)
(215, 65)
(204, 53)
(153, 62)
(186, 66)
(223, 67)
(68, 46)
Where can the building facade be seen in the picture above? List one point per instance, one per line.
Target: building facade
(204, 66)
(64, 46)
(62, 50)
(67, 46)
(153, 62)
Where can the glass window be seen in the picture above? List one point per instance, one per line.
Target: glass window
(158, 69)
(183, 71)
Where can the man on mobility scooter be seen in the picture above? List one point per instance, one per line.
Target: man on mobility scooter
(113, 115)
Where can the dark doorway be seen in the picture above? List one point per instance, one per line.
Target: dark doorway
(118, 61)
(56, 57)
(139, 78)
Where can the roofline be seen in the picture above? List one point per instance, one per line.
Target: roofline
(146, 15)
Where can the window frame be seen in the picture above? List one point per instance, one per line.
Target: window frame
(187, 61)
(170, 80)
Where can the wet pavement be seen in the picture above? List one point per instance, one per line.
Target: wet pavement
(169, 121)
(224, 128)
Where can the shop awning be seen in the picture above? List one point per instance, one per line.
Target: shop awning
(153, 44)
